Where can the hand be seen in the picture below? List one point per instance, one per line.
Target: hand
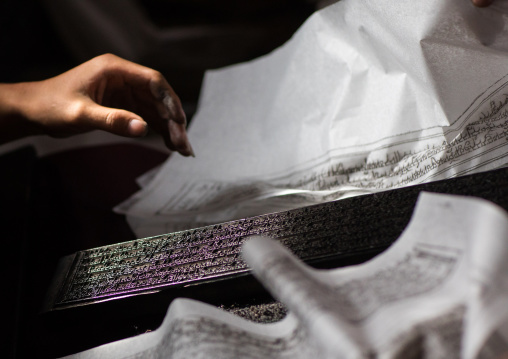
(107, 93)
(482, 3)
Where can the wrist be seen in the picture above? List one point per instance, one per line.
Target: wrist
(14, 118)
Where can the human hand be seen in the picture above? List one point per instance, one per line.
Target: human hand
(482, 3)
(107, 93)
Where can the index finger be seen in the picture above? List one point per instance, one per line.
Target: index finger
(145, 79)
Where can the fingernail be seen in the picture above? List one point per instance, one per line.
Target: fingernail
(189, 149)
(137, 127)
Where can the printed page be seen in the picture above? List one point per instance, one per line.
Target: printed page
(414, 294)
(363, 98)
(439, 292)
(196, 330)
(487, 316)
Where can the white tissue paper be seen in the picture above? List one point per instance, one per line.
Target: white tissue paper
(366, 96)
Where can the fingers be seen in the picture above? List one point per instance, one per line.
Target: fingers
(155, 99)
(178, 139)
(117, 121)
(168, 104)
(145, 80)
(482, 3)
(128, 124)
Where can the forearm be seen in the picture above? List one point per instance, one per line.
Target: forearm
(14, 123)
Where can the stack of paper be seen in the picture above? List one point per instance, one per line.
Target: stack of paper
(366, 96)
(439, 292)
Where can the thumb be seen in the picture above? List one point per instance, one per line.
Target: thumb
(117, 121)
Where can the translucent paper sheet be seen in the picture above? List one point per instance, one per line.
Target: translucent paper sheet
(439, 292)
(366, 96)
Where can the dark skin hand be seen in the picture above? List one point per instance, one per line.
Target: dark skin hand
(106, 93)
(482, 3)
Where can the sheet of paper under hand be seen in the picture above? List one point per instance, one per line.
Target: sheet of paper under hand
(366, 96)
(440, 291)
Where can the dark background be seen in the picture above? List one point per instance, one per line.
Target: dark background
(213, 34)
